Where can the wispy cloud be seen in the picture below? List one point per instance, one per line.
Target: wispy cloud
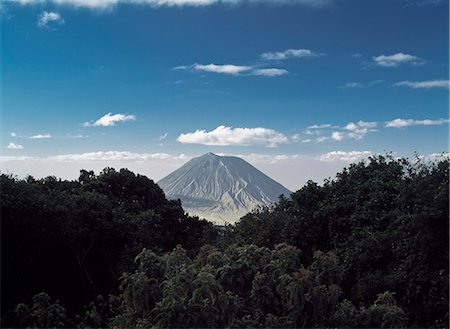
(270, 72)
(109, 156)
(14, 146)
(107, 4)
(225, 69)
(320, 126)
(289, 53)
(163, 137)
(234, 70)
(46, 18)
(110, 119)
(402, 123)
(396, 60)
(224, 136)
(357, 84)
(13, 134)
(344, 156)
(75, 136)
(423, 84)
(353, 130)
(352, 85)
(40, 136)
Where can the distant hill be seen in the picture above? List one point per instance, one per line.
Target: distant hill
(221, 188)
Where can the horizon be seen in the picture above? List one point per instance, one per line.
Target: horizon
(299, 89)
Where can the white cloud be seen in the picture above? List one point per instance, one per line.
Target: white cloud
(163, 137)
(224, 136)
(109, 156)
(40, 136)
(12, 158)
(225, 69)
(352, 85)
(321, 139)
(344, 156)
(397, 59)
(423, 84)
(47, 17)
(234, 70)
(13, 134)
(295, 137)
(438, 156)
(322, 126)
(14, 146)
(270, 72)
(110, 119)
(108, 4)
(402, 123)
(360, 129)
(75, 136)
(337, 135)
(289, 53)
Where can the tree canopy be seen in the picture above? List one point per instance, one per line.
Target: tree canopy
(366, 249)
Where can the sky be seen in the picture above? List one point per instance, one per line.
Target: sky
(299, 88)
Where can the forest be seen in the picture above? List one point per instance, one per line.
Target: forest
(368, 248)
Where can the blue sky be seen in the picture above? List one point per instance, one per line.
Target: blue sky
(287, 84)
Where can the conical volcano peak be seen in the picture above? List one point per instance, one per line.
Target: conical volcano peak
(221, 188)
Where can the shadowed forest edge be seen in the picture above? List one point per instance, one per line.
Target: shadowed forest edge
(367, 249)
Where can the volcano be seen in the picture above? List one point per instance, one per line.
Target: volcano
(221, 189)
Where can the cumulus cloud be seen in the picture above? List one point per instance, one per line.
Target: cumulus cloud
(270, 72)
(360, 129)
(344, 156)
(423, 84)
(13, 134)
(396, 60)
(289, 53)
(14, 146)
(110, 119)
(337, 136)
(107, 4)
(48, 17)
(402, 123)
(224, 136)
(40, 136)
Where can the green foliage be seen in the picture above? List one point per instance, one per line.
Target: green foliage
(386, 222)
(368, 249)
(41, 313)
(74, 239)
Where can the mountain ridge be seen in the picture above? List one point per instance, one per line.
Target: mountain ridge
(221, 188)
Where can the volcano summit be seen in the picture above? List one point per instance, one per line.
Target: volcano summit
(221, 188)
